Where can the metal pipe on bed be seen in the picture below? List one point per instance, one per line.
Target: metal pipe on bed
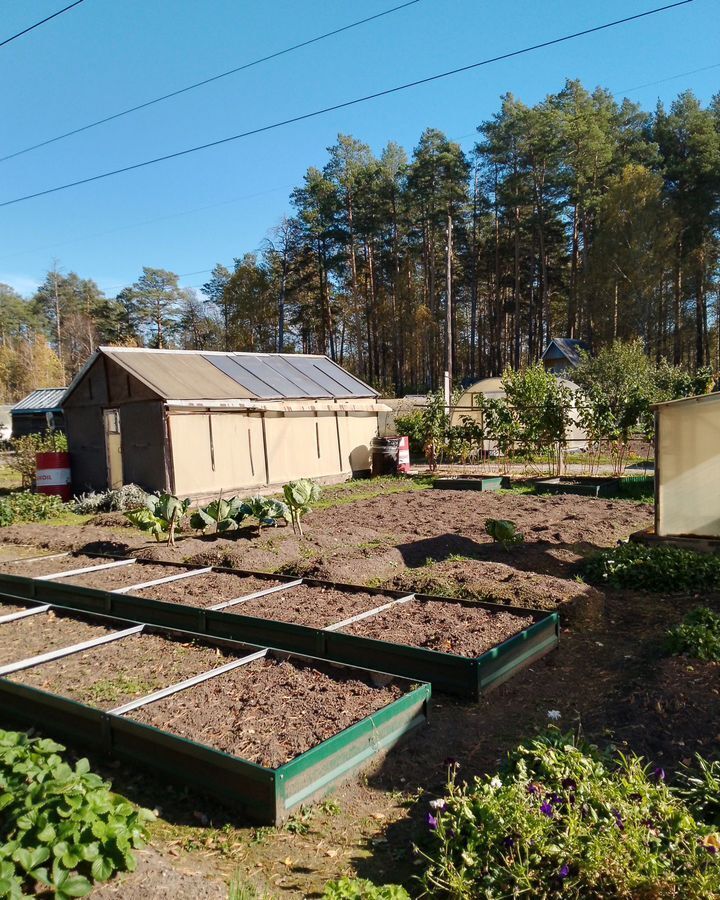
(31, 661)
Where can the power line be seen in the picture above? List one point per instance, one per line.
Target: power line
(14, 37)
(212, 78)
(345, 105)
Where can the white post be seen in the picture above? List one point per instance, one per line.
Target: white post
(446, 389)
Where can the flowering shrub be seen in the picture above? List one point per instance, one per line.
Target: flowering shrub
(634, 565)
(564, 820)
(698, 635)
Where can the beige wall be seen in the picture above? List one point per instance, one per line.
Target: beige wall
(688, 469)
(251, 453)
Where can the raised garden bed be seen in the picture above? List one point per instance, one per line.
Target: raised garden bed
(318, 607)
(276, 732)
(36, 568)
(446, 627)
(43, 632)
(465, 676)
(471, 483)
(587, 487)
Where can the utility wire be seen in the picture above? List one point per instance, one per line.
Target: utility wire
(344, 105)
(197, 84)
(14, 37)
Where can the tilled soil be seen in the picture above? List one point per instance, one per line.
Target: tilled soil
(7, 609)
(122, 576)
(49, 566)
(43, 632)
(269, 711)
(447, 627)
(207, 590)
(115, 673)
(314, 606)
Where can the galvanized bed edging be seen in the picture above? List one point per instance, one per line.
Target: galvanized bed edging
(462, 676)
(261, 794)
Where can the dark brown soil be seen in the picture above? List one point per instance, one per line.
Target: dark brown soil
(115, 673)
(44, 632)
(122, 576)
(207, 590)
(7, 609)
(314, 606)
(49, 566)
(270, 711)
(447, 627)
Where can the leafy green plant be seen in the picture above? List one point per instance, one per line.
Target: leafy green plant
(161, 515)
(410, 425)
(299, 496)
(60, 825)
(633, 565)
(564, 820)
(698, 635)
(699, 787)
(362, 889)
(25, 448)
(221, 515)
(266, 511)
(24, 506)
(504, 532)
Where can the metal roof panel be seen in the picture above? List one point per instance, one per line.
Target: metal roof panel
(43, 398)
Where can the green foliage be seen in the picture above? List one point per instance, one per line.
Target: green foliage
(563, 820)
(26, 507)
(362, 889)
(60, 826)
(222, 515)
(25, 448)
(504, 532)
(410, 425)
(658, 568)
(128, 497)
(698, 635)
(299, 496)
(160, 515)
(266, 511)
(699, 787)
(434, 424)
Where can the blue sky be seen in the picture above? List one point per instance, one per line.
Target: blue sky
(188, 214)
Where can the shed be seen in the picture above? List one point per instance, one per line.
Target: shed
(563, 354)
(687, 467)
(40, 411)
(196, 423)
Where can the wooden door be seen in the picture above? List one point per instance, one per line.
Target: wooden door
(113, 448)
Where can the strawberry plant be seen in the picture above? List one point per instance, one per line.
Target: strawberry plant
(60, 826)
(299, 495)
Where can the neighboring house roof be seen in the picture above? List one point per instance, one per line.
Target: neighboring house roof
(43, 400)
(567, 348)
(210, 375)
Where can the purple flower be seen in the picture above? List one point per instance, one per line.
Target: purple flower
(547, 810)
(432, 822)
(564, 872)
(533, 788)
(509, 841)
(569, 784)
(556, 799)
(618, 820)
(711, 849)
(659, 774)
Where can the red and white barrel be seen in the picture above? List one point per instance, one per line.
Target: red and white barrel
(52, 475)
(404, 455)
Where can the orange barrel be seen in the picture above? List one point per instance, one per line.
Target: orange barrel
(53, 475)
(404, 455)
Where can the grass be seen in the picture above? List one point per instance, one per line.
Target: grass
(367, 489)
(110, 689)
(9, 479)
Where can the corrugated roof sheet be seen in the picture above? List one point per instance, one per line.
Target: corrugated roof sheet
(200, 375)
(44, 398)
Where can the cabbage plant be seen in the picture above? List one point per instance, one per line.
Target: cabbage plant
(299, 496)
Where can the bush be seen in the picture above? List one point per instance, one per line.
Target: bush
(410, 425)
(27, 507)
(565, 820)
(26, 447)
(656, 569)
(362, 889)
(699, 787)
(129, 496)
(698, 636)
(60, 826)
